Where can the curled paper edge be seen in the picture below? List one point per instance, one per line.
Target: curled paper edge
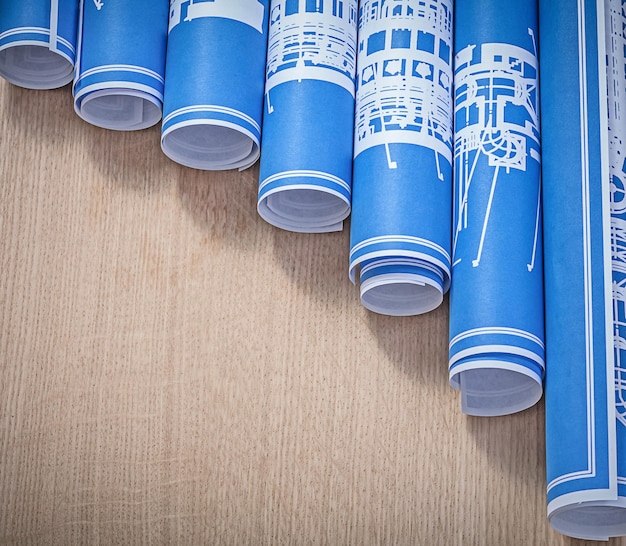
(13, 72)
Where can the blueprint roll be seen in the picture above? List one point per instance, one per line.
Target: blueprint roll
(214, 84)
(308, 122)
(402, 181)
(121, 63)
(584, 239)
(496, 298)
(38, 42)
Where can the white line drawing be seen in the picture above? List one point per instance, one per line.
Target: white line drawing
(476, 262)
(248, 12)
(496, 117)
(591, 468)
(98, 4)
(616, 48)
(404, 76)
(312, 40)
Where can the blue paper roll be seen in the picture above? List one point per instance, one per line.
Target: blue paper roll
(583, 151)
(120, 67)
(402, 180)
(214, 82)
(496, 298)
(308, 123)
(38, 42)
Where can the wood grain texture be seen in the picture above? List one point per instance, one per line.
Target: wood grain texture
(175, 371)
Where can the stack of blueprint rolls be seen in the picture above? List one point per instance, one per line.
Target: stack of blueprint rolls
(421, 120)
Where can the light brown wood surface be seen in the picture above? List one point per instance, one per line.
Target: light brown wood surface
(173, 370)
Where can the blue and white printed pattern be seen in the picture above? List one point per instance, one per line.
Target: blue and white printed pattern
(312, 40)
(28, 24)
(247, 12)
(402, 182)
(616, 71)
(215, 67)
(584, 437)
(306, 175)
(120, 68)
(496, 301)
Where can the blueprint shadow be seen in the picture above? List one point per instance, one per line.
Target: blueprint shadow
(514, 443)
(506, 454)
(131, 160)
(127, 159)
(317, 264)
(418, 345)
(223, 205)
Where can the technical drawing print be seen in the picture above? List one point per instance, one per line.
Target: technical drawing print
(496, 302)
(403, 144)
(582, 182)
(496, 119)
(616, 70)
(305, 183)
(404, 80)
(312, 39)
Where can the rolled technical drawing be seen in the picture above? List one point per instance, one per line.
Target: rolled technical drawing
(402, 181)
(496, 299)
(583, 196)
(120, 67)
(214, 83)
(38, 42)
(308, 123)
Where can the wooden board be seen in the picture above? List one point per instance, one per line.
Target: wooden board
(173, 370)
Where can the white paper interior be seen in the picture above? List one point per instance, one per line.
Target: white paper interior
(398, 295)
(305, 210)
(35, 67)
(210, 147)
(598, 520)
(120, 110)
(491, 391)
